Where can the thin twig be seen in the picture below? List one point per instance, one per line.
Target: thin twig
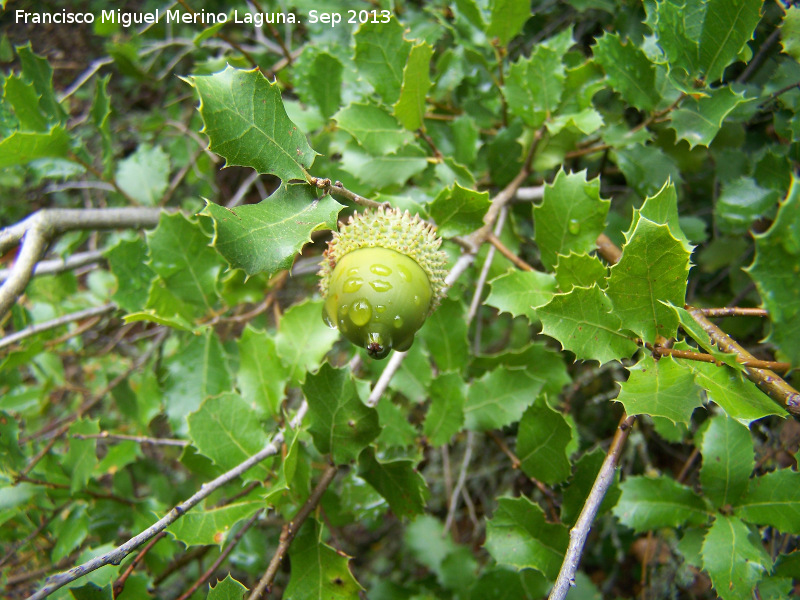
(221, 558)
(503, 249)
(487, 264)
(105, 435)
(733, 311)
(119, 584)
(57, 322)
(336, 188)
(608, 249)
(579, 533)
(767, 381)
(115, 556)
(290, 531)
(699, 356)
(462, 478)
(45, 522)
(59, 265)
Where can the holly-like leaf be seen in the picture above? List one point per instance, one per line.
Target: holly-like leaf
(727, 26)
(180, 254)
(542, 443)
(737, 396)
(382, 172)
(518, 535)
(446, 413)
(499, 398)
(396, 480)
(227, 589)
(534, 86)
(381, 55)
(410, 107)
(198, 370)
(445, 335)
(21, 147)
(395, 428)
(663, 388)
(740, 203)
(734, 558)
(303, 339)
(247, 124)
(774, 500)
(584, 324)
(144, 175)
(459, 211)
(727, 460)
(81, 458)
(773, 270)
(654, 268)
(579, 270)
(373, 128)
(340, 423)
(519, 292)
(38, 71)
(318, 79)
(319, 571)
(699, 120)
(23, 99)
(127, 261)
(570, 217)
(539, 362)
(790, 32)
(650, 503)
(266, 237)
(227, 431)
(261, 376)
(630, 72)
(507, 19)
(206, 527)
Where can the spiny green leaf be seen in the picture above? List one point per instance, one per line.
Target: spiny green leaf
(579, 270)
(570, 217)
(507, 19)
(373, 128)
(132, 273)
(23, 99)
(266, 237)
(654, 268)
(37, 70)
(662, 208)
(318, 79)
(629, 71)
(21, 147)
(198, 370)
(499, 398)
(727, 460)
(534, 86)
(303, 339)
(340, 423)
(542, 443)
(790, 32)
(445, 415)
(383, 172)
(227, 431)
(740, 203)
(247, 124)
(727, 27)
(396, 480)
(319, 571)
(81, 458)
(520, 292)
(585, 473)
(459, 211)
(180, 253)
(518, 535)
(663, 388)
(734, 558)
(381, 55)
(584, 324)
(445, 335)
(396, 431)
(775, 271)
(410, 107)
(699, 120)
(650, 503)
(538, 361)
(227, 589)
(144, 175)
(206, 527)
(261, 376)
(773, 499)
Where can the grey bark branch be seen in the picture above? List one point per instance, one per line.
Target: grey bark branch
(58, 322)
(59, 265)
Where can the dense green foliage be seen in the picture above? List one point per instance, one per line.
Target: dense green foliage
(669, 129)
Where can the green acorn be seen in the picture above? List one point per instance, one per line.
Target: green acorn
(383, 274)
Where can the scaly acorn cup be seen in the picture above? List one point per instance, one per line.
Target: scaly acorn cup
(381, 276)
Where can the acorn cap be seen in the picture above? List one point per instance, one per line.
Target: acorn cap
(394, 230)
